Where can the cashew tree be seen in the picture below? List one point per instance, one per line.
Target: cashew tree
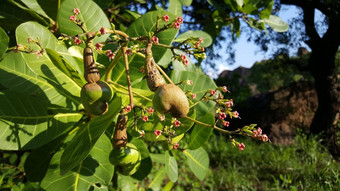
(87, 99)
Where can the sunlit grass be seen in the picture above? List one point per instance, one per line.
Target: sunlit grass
(305, 165)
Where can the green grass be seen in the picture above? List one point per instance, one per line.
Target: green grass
(304, 165)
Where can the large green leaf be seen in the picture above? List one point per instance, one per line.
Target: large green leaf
(198, 161)
(10, 17)
(34, 6)
(202, 83)
(41, 156)
(90, 13)
(146, 163)
(93, 173)
(26, 122)
(4, 40)
(175, 7)
(158, 179)
(186, 2)
(63, 65)
(207, 40)
(200, 134)
(43, 66)
(276, 23)
(171, 166)
(17, 75)
(82, 143)
(142, 27)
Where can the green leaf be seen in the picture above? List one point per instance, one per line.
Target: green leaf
(127, 182)
(171, 167)
(10, 18)
(239, 3)
(207, 40)
(94, 170)
(175, 7)
(146, 163)
(4, 41)
(166, 59)
(186, 2)
(68, 69)
(33, 13)
(34, 6)
(158, 179)
(43, 66)
(41, 156)
(201, 83)
(17, 75)
(198, 161)
(27, 122)
(158, 158)
(276, 23)
(200, 134)
(82, 143)
(90, 13)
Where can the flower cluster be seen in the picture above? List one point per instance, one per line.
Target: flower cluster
(258, 135)
(184, 59)
(178, 22)
(73, 17)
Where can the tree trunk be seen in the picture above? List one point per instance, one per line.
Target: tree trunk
(322, 66)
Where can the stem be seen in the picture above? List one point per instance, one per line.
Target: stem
(126, 61)
(158, 68)
(164, 74)
(123, 87)
(114, 62)
(212, 126)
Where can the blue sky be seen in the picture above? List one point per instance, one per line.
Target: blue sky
(247, 53)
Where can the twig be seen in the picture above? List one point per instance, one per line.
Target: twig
(127, 71)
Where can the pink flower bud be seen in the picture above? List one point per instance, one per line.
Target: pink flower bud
(185, 62)
(177, 25)
(176, 145)
(165, 18)
(145, 118)
(193, 96)
(102, 30)
(161, 117)
(128, 52)
(128, 108)
(73, 18)
(77, 41)
(99, 46)
(180, 20)
(201, 40)
(226, 123)
(177, 123)
(241, 146)
(212, 92)
(39, 53)
(111, 56)
(225, 89)
(157, 133)
(155, 40)
(183, 57)
(222, 116)
(76, 11)
(150, 110)
(264, 138)
(235, 114)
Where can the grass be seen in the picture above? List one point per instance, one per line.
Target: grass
(305, 165)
